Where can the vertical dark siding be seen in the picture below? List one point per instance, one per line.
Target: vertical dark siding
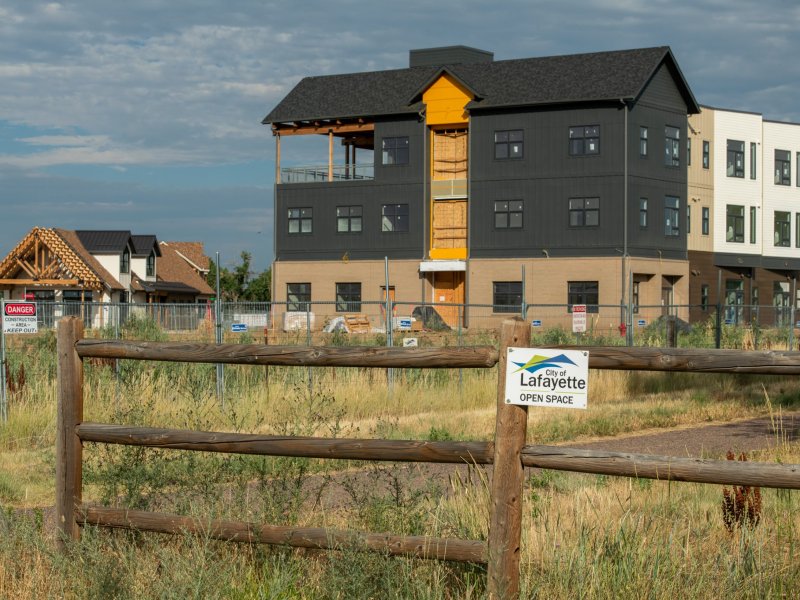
(393, 184)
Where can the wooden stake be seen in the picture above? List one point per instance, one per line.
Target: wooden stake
(68, 444)
(505, 524)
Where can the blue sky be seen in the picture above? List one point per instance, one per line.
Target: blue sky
(146, 115)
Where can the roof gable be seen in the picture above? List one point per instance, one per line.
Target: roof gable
(54, 257)
(175, 269)
(143, 245)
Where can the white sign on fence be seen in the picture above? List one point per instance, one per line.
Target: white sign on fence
(409, 342)
(547, 377)
(20, 317)
(578, 318)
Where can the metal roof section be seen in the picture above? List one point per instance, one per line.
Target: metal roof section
(105, 242)
(144, 244)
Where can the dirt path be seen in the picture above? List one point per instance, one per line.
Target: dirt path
(709, 441)
(706, 441)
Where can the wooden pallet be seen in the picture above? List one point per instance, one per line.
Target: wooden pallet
(357, 323)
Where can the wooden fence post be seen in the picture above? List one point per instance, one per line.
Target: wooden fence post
(505, 522)
(68, 444)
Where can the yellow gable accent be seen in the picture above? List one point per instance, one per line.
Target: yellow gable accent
(445, 100)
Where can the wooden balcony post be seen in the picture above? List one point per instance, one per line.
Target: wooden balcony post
(68, 444)
(330, 155)
(277, 158)
(505, 521)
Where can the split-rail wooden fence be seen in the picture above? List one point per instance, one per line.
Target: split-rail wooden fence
(508, 454)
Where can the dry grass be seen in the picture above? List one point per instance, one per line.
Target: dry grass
(595, 537)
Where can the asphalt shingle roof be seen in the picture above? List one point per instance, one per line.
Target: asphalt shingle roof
(519, 82)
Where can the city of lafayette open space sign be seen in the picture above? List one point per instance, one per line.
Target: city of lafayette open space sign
(547, 377)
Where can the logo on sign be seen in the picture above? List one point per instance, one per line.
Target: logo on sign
(540, 377)
(20, 309)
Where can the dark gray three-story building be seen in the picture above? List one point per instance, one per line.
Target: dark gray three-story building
(462, 170)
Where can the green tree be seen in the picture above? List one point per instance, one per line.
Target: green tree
(260, 288)
(236, 284)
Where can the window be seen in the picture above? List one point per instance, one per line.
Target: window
(394, 218)
(706, 220)
(642, 212)
(583, 292)
(348, 297)
(298, 296)
(752, 160)
(395, 150)
(642, 141)
(706, 153)
(507, 296)
(635, 296)
(508, 144)
(672, 146)
(689, 152)
(671, 212)
(584, 212)
(734, 223)
(735, 161)
(782, 228)
(704, 297)
(797, 230)
(348, 219)
(300, 220)
(688, 218)
(150, 267)
(508, 214)
(752, 224)
(783, 167)
(584, 139)
(125, 261)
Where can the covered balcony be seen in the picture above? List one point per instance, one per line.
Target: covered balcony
(356, 137)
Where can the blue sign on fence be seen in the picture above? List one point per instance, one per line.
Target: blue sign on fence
(536, 323)
(728, 321)
(238, 327)
(641, 322)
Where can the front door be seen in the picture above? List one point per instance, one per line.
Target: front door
(448, 293)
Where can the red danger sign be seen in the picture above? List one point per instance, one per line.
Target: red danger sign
(20, 309)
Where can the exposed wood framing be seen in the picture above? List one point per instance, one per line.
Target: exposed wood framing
(50, 282)
(43, 257)
(320, 127)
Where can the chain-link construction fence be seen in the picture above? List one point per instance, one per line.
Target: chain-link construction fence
(399, 322)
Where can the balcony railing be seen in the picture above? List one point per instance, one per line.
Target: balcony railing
(449, 188)
(360, 172)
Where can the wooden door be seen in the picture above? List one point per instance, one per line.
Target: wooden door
(448, 288)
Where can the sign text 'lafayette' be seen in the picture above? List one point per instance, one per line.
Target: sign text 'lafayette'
(543, 377)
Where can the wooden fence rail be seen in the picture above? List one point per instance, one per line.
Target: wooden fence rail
(508, 453)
